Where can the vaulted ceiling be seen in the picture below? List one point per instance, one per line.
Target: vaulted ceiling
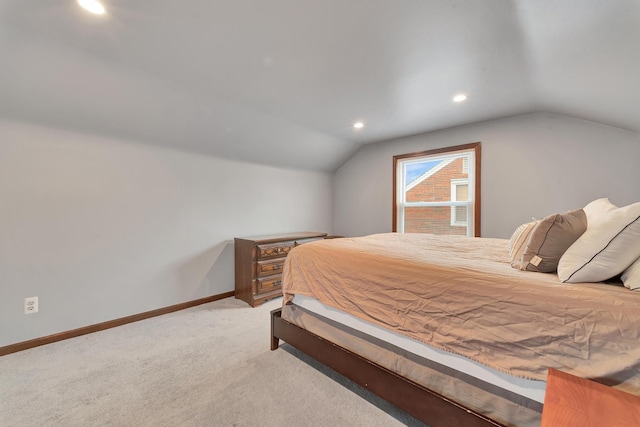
(281, 82)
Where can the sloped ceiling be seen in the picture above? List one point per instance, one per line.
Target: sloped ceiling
(281, 82)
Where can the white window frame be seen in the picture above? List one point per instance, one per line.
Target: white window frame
(400, 203)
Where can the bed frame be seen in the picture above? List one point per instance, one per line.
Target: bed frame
(418, 401)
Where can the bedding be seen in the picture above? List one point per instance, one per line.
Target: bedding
(460, 295)
(488, 396)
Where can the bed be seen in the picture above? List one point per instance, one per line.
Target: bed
(446, 329)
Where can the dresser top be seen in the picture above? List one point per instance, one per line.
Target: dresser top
(284, 236)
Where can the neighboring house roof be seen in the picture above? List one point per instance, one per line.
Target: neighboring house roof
(429, 173)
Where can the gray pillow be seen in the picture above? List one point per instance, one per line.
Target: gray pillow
(550, 239)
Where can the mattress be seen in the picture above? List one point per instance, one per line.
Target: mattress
(532, 389)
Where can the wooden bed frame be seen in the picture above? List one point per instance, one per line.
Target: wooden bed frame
(418, 401)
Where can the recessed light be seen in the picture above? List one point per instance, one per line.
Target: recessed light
(93, 6)
(358, 125)
(459, 98)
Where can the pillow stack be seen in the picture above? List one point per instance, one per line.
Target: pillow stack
(609, 246)
(539, 245)
(592, 244)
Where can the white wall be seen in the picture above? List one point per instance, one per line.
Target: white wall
(100, 228)
(532, 166)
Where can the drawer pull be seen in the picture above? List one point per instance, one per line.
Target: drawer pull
(270, 284)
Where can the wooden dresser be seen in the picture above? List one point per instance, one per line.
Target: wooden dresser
(259, 261)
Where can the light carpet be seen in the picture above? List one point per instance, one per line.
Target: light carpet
(205, 366)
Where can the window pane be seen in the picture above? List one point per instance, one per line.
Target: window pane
(413, 171)
(433, 184)
(432, 219)
(461, 214)
(462, 192)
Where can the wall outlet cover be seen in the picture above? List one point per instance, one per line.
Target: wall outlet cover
(30, 305)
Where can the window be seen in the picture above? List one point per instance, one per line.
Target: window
(438, 191)
(459, 193)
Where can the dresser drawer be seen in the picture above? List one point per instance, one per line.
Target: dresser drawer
(273, 250)
(259, 261)
(269, 267)
(270, 283)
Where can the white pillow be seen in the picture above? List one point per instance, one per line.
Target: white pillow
(598, 210)
(610, 244)
(631, 276)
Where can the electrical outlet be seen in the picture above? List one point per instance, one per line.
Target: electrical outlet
(30, 305)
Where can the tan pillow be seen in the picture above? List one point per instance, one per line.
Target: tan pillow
(550, 239)
(518, 242)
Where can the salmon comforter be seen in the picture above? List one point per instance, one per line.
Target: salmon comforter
(460, 294)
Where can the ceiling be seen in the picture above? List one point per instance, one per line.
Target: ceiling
(281, 82)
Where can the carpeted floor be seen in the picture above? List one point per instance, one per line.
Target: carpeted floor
(205, 366)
